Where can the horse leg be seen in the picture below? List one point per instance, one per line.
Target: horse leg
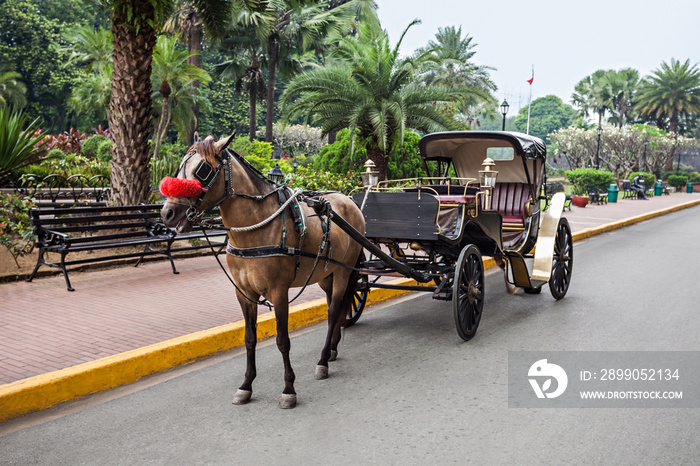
(330, 349)
(250, 314)
(289, 395)
(327, 286)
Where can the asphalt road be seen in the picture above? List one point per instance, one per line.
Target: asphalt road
(407, 390)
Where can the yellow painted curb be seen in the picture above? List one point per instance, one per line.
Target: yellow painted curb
(46, 390)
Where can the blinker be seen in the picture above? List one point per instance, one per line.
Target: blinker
(204, 173)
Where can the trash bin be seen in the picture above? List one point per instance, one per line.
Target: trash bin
(658, 188)
(689, 188)
(612, 192)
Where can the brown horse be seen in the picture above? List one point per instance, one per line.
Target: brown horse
(262, 241)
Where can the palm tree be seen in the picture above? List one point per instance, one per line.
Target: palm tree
(368, 89)
(245, 67)
(172, 73)
(91, 48)
(618, 90)
(448, 61)
(300, 26)
(130, 109)
(12, 90)
(670, 93)
(588, 96)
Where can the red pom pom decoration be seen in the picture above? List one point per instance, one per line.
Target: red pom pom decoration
(179, 187)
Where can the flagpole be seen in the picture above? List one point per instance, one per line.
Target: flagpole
(529, 100)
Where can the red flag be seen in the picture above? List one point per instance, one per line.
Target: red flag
(529, 81)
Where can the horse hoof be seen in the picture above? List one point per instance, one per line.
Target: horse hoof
(288, 401)
(321, 372)
(242, 397)
(334, 355)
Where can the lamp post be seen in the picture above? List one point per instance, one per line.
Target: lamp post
(678, 166)
(487, 179)
(644, 156)
(597, 151)
(276, 175)
(295, 164)
(504, 112)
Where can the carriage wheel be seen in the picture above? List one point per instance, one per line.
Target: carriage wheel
(563, 262)
(468, 292)
(358, 302)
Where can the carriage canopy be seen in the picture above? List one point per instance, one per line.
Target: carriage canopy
(467, 150)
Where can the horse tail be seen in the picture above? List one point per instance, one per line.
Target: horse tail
(349, 295)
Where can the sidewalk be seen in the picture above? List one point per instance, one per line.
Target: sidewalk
(45, 328)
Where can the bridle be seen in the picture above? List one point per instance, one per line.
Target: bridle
(207, 175)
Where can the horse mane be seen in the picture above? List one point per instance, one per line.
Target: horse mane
(207, 149)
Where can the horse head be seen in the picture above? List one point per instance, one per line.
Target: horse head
(197, 185)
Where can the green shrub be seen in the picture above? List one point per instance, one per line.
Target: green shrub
(583, 178)
(314, 180)
(335, 157)
(97, 147)
(16, 232)
(21, 144)
(694, 177)
(649, 178)
(677, 181)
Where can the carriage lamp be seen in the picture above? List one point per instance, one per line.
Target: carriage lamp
(487, 179)
(276, 175)
(370, 177)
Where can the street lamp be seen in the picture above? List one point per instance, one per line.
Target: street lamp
(597, 151)
(504, 112)
(678, 166)
(295, 164)
(644, 157)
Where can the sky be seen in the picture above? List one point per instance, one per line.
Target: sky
(564, 40)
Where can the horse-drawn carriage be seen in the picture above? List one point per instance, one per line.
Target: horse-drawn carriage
(484, 199)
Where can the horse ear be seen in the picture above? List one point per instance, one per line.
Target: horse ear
(223, 143)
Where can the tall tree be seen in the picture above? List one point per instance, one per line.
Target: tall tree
(671, 92)
(299, 26)
(368, 89)
(588, 96)
(448, 61)
(547, 114)
(175, 77)
(244, 67)
(134, 24)
(618, 90)
(32, 44)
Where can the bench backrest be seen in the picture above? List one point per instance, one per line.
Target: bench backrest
(510, 199)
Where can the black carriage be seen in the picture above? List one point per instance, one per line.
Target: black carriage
(482, 196)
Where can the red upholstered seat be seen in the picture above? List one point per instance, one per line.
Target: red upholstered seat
(510, 199)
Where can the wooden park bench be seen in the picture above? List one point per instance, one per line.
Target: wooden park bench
(68, 230)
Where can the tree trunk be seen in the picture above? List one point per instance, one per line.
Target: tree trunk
(272, 71)
(252, 125)
(194, 45)
(130, 107)
(382, 163)
(162, 125)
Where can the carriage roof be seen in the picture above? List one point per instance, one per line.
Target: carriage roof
(453, 144)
